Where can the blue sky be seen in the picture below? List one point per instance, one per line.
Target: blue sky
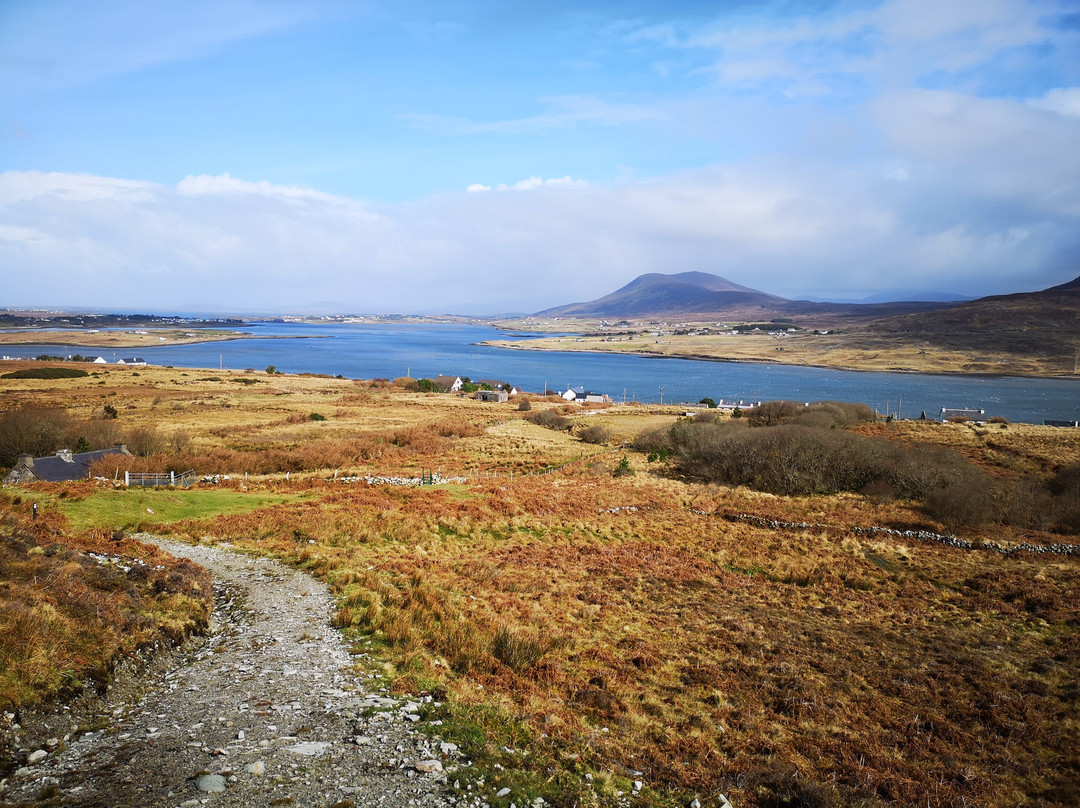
(487, 157)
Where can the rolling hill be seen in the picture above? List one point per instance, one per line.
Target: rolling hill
(656, 294)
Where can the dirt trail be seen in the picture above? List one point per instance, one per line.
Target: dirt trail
(269, 710)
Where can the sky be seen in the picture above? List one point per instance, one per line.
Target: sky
(482, 157)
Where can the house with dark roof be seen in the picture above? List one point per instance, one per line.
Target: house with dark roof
(134, 361)
(449, 384)
(583, 396)
(62, 467)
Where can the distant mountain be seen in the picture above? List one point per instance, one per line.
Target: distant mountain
(655, 295)
(1071, 286)
(909, 295)
(1042, 325)
(891, 297)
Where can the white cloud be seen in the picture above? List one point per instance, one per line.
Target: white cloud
(477, 187)
(562, 112)
(890, 44)
(963, 198)
(1062, 100)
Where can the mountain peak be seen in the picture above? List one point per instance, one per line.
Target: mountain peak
(657, 294)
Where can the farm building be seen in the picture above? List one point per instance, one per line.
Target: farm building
(61, 467)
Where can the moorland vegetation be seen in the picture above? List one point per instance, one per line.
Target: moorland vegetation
(590, 604)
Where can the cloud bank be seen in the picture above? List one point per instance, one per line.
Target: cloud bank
(961, 198)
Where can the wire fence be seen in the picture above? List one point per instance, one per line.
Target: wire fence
(150, 480)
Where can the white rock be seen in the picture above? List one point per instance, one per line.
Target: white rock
(258, 768)
(309, 748)
(502, 792)
(210, 783)
(37, 757)
(637, 785)
(428, 766)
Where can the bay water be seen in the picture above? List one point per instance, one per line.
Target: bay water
(389, 350)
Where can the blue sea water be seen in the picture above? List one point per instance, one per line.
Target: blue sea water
(389, 350)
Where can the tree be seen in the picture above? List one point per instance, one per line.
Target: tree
(271, 370)
(708, 402)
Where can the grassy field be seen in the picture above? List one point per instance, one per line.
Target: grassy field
(590, 618)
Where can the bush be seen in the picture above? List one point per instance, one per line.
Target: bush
(799, 460)
(595, 434)
(549, 419)
(771, 413)
(271, 370)
(708, 402)
(36, 430)
(316, 417)
(427, 386)
(524, 405)
(145, 441)
(964, 501)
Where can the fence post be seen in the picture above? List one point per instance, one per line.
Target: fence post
(172, 478)
(127, 478)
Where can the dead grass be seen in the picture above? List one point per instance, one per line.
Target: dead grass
(617, 625)
(66, 615)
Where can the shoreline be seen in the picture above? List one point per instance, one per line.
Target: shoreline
(774, 363)
(77, 339)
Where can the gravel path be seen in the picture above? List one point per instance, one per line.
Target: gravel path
(269, 710)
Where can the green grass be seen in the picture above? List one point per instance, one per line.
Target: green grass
(127, 508)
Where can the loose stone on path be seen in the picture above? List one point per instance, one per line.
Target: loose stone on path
(267, 710)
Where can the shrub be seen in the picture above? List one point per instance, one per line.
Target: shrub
(623, 469)
(771, 413)
(549, 419)
(427, 386)
(271, 370)
(524, 405)
(145, 441)
(595, 434)
(708, 402)
(35, 430)
(316, 417)
(800, 460)
(964, 501)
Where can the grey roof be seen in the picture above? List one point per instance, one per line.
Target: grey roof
(54, 469)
